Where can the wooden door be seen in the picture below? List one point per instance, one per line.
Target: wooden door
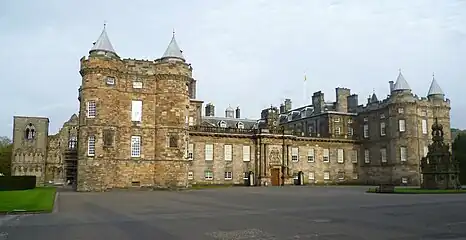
(275, 176)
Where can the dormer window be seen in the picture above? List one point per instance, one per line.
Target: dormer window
(240, 125)
(290, 117)
(110, 81)
(222, 124)
(30, 132)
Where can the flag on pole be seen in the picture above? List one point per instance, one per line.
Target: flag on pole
(305, 77)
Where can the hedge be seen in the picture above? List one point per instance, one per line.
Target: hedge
(8, 183)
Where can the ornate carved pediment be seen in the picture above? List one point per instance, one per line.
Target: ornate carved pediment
(275, 156)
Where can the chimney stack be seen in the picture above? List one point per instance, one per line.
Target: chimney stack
(238, 112)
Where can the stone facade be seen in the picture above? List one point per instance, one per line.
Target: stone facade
(39, 154)
(140, 125)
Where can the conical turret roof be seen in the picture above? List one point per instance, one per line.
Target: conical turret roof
(103, 43)
(434, 88)
(173, 50)
(401, 83)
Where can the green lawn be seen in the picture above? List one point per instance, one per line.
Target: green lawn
(33, 200)
(421, 191)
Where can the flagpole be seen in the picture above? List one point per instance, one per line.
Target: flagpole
(305, 89)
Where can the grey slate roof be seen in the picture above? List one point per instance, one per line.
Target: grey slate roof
(401, 83)
(103, 43)
(173, 50)
(434, 88)
(230, 122)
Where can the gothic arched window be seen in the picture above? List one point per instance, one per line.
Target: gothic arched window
(30, 132)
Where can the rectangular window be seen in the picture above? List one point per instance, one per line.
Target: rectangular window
(108, 137)
(326, 175)
(404, 180)
(310, 155)
(424, 126)
(228, 176)
(191, 121)
(401, 110)
(91, 109)
(228, 152)
(110, 81)
(382, 116)
(350, 131)
(383, 155)
(173, 140)
(354, 157)
(208, 175)
(91, 146)
(355, 176)
(190, 175)
(366, 130)
(366, 119)
(326, 156)
(341, 175)
(135, 146)
(337, 119)
(294, 154)
(367, 158)
(137, 84)
(382, 129)
(340, 155)
(246, 153)
(337, 131)
(190, 151)
(311, 176)
(209, 152)
(402, 125)
(426, 150)
(136, 111)
(403, 154)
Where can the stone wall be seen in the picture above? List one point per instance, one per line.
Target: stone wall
(162, 86)
(267, 153)
(29, 154)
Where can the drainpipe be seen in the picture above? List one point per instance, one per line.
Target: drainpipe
(259, 160)
(283, 157)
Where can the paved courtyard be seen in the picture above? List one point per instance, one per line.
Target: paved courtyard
(245, 213)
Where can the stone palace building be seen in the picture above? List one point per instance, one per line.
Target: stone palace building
(140, 125)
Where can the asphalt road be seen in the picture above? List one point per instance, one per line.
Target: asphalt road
(245, 213)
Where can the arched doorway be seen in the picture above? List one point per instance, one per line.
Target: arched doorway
(301, 178)
(251, 179)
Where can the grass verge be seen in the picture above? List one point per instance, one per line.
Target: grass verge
(421, 191)
(33, 200)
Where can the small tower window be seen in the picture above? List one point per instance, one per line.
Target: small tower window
(110, 81)
(30, 132)
(240, 125)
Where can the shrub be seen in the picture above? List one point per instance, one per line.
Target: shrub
(8, 183)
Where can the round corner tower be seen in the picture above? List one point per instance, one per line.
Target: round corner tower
(173, 77)
(100, 71)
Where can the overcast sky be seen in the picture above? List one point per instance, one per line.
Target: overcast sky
(244, 52)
